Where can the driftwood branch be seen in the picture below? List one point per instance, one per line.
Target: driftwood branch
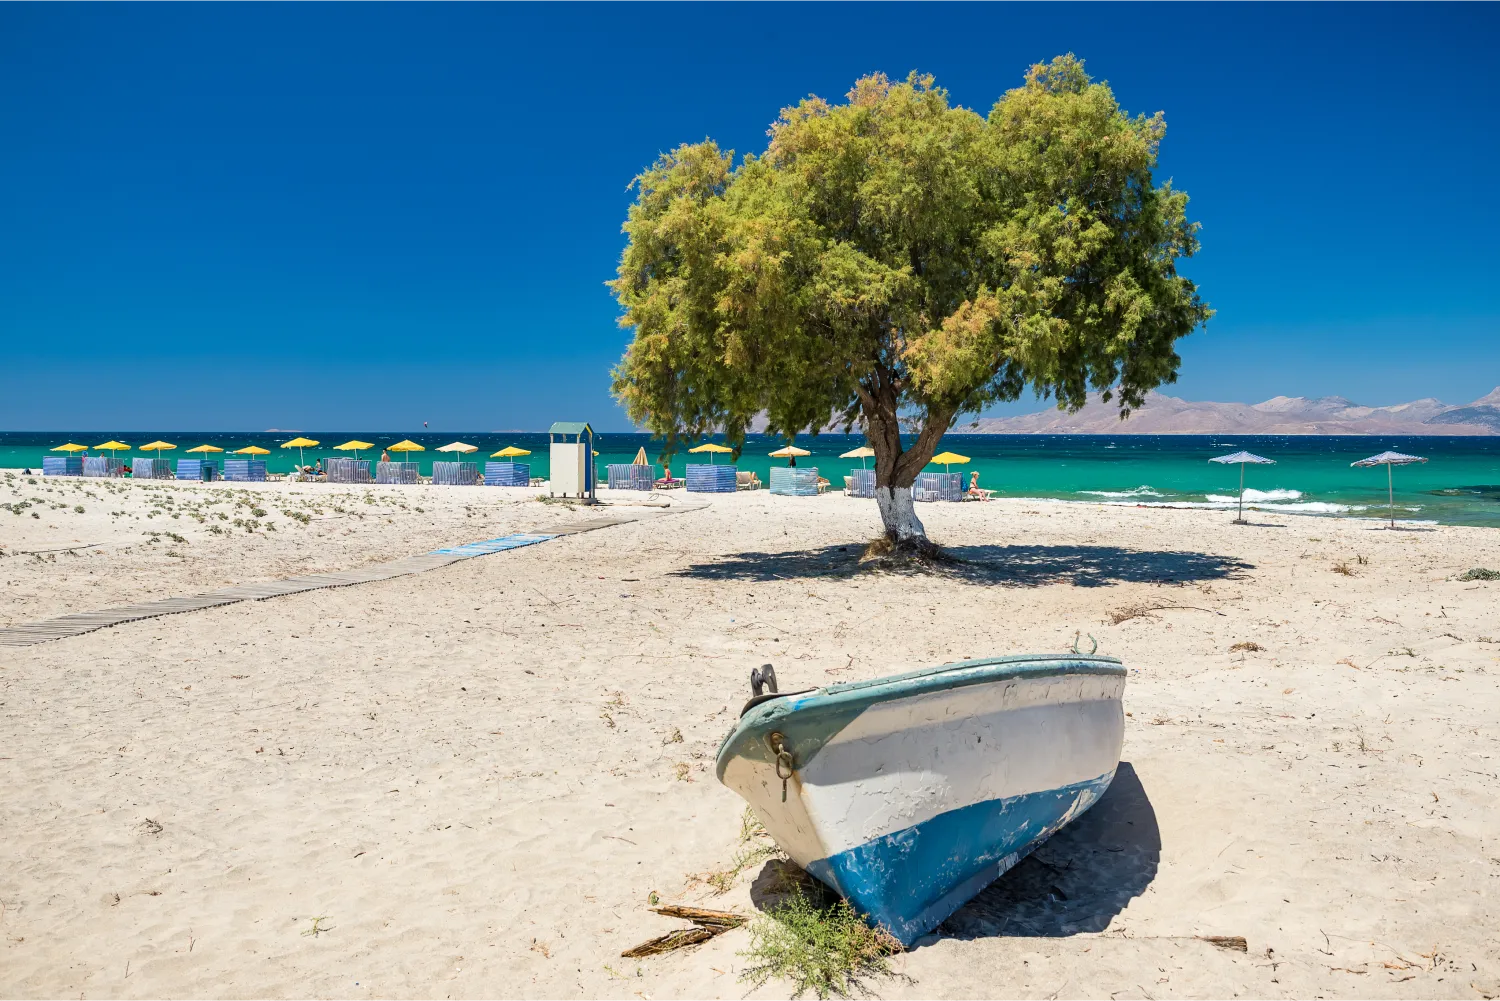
(1235, 943)
(702, 916)
(706, 925)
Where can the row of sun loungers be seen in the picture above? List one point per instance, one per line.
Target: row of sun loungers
(785, 481)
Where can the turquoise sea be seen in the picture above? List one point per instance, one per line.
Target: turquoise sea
(1459, 485)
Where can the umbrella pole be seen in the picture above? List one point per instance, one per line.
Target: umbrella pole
(1390, 492)
(1240, 520)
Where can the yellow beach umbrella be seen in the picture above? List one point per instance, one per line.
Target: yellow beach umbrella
(509, 452)
(113, 447)
(355, 446)
(299, 444)
(789, 452)
(71, 448)
(712, 449)
(206, 448)
(252, 450)
(862, 453)
(158, 447)
(406, 446)
(640, 458)
(948, 458)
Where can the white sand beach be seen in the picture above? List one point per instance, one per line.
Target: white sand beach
(468, 782)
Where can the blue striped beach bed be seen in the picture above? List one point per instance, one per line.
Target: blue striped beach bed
(791, 482)
(245, 470)
(708, 478)
(507, 474)
(62, 465)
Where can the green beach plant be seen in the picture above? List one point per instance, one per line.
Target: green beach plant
(895, 262)
(826, 950)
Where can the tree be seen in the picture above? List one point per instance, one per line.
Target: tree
(898, 260)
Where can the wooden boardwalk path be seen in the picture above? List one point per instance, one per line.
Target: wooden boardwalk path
(78, 623)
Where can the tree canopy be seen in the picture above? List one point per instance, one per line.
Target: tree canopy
(896, 258)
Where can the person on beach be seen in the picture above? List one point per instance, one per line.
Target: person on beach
(385, 456)
(974, 490)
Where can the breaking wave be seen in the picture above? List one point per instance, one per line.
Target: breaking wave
(1121, 494)
(1265, 496)
(1217, 503)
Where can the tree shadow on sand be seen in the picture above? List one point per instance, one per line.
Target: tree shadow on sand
(1076, 882)
(1016, 566)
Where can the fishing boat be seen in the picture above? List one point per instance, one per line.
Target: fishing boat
(909, 794)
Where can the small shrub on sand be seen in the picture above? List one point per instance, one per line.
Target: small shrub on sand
(828, 951)
(1247, 646)
(1343, 568)
(1480, 573)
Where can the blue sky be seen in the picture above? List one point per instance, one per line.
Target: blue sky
(296, 216)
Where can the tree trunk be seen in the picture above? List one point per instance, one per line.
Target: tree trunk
(899, 515)
(896, 468)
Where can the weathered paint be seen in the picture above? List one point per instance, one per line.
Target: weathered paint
(911, 880)
(909, 789)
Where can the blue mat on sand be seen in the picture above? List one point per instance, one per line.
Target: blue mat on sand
(488, 546)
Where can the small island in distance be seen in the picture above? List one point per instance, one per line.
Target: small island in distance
(1162, 414)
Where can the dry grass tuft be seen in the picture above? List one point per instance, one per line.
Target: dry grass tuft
(755, 847)
(884, 553)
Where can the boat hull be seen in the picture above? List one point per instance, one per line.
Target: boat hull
(909, 794)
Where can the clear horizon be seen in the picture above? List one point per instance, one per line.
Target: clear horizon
(222, 216)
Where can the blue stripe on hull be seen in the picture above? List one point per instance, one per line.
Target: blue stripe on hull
(911, 880)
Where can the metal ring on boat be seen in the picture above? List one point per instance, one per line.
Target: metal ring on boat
(785, 766)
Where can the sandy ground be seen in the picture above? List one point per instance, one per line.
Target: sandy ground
(469, 782)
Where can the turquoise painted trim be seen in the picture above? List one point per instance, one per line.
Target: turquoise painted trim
(910, 881)
(810, 720)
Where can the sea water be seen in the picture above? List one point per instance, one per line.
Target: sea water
(1459, 485)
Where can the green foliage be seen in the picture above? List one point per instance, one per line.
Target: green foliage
(824, 950)
(1480, 573)
(898, 259)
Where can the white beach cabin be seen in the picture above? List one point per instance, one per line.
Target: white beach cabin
(572, 457)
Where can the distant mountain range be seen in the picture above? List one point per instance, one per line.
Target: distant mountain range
(1162, 414)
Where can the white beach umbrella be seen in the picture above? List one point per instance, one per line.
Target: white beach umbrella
(1389, 459)
(1242, 458)
(862, 453)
